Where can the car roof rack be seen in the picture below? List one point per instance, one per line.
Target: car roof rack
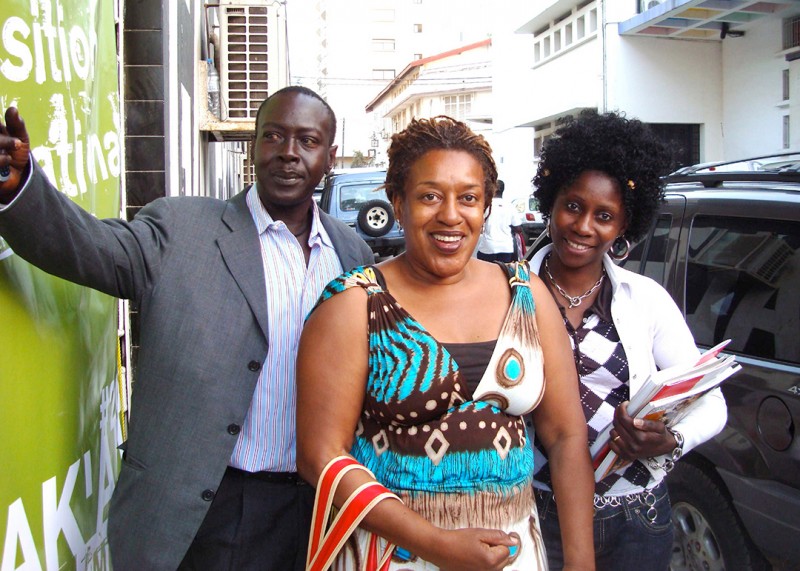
(781, 167)
(715, 179)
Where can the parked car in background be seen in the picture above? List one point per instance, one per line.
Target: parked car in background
(532, 221)
(727, 247)
(356, 197)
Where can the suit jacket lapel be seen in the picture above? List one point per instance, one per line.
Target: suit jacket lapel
(241, 251)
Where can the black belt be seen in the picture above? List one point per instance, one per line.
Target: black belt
(272, 477)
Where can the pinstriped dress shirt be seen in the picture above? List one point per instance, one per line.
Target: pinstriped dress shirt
(267, 440)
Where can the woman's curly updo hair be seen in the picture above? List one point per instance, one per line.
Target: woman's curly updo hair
(441, 132)
(624, 149)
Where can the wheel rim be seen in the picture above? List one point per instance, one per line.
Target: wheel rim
(695, 547)
(377, 217)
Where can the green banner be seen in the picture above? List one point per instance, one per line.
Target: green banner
(59, 405)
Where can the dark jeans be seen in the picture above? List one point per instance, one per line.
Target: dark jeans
(628, 537)
(257, 523)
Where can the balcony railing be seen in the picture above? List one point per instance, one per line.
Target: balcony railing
(565, 34)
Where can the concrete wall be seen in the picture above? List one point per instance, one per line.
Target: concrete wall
(512, 95)
(668, 81)
(752, 86)
(513, 153)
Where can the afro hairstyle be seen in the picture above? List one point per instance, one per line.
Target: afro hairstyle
(624, 149)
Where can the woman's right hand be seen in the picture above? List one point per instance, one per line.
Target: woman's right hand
(472, 549)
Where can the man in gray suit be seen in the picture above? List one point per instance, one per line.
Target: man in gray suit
(208, 477)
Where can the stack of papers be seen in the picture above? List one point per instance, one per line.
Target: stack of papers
(667, 395)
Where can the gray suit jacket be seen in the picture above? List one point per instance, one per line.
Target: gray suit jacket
(194, 267)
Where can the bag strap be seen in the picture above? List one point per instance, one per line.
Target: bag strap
(328, 481)
(324, 545)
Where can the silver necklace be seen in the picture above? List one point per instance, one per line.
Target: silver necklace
(574, 301)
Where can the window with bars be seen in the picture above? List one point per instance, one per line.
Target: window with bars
(791, 32)
(248, 168)
(565, 31)
(786, 92)
(458, 106)
(787, 141)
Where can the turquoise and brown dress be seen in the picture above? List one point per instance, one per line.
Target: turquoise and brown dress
(457, 461)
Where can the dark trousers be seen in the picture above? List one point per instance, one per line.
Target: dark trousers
(257, 521)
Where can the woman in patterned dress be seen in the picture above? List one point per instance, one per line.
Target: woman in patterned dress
(392, 360)
(598, 185)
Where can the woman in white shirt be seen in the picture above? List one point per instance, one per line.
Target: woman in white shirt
(599, 187)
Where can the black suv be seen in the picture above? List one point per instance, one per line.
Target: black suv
(727, 247)
(356, 197)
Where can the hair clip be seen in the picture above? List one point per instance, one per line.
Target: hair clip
(631, 184)
(546, 172)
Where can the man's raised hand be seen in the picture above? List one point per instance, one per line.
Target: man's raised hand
(14, 154)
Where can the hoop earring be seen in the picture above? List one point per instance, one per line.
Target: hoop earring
(620, 249)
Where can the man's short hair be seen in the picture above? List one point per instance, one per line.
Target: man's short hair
(304, 91)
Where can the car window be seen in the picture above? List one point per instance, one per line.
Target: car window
(354, 196)
(634, 260)
(649, 255)
(743, 283)
(655, 265)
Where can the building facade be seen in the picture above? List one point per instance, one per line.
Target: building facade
(713, 77)
(457, 83)
(349, 50)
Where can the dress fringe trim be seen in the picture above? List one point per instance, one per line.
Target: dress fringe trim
(477, 509)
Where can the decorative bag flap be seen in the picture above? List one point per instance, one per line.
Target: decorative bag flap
(514, 379)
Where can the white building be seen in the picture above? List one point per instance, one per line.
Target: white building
(457, 83)
(349, 50)
(717, 78)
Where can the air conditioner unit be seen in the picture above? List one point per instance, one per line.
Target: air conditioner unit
(252, 55)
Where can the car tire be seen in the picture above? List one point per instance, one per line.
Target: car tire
(376, 218)
(708, 533)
